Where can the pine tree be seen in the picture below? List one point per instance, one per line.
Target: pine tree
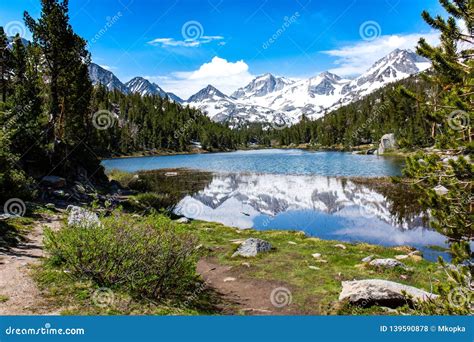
(5, 62)
(69, 89)
(447, 180)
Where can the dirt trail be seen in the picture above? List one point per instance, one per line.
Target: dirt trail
(245, 295)
(16, 285)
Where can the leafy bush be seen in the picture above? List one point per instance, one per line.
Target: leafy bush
(149, 258)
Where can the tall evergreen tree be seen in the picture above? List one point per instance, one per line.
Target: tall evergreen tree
(68, 86)
(447, 180)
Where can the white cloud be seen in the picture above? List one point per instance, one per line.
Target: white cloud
(222, 74)
(171, 42)
(354, 59)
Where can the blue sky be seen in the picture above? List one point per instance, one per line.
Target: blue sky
(185, 44)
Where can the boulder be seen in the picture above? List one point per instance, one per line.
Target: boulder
(251, 247)
(387, 263)
(387, 142)
(80, 217)
(381, 292)
(53, 181)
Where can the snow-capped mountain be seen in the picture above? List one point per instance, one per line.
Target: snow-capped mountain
(220, 107)
(140, 85)
(144, 87)
(261, 86)
(397, 65)
(272, 99)
(268, 97)
(99, 75)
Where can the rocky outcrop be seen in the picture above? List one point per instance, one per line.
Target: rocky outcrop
(251, 247)
(387, 142)
(83, 218)
(380, 292)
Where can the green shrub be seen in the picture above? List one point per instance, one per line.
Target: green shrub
(148, 258)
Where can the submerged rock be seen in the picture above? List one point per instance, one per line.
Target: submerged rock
(80, 217)
(381, 292)
(251, 247)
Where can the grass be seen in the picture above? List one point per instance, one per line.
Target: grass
(313, 291)
(4, 298)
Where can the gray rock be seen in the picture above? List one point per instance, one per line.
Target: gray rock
(368, 258)
(80, 217)
(440, 190)
(251, 247)
(54, 181)
(387, 263)
(183, 220)
(387, 142)
(381, 292)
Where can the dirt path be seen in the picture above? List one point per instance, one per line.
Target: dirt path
(244, 295)
(18, 292)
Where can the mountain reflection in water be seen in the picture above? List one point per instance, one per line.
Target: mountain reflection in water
(325, 207)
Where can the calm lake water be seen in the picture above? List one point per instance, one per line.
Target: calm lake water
(295, 190)
(294, 162)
